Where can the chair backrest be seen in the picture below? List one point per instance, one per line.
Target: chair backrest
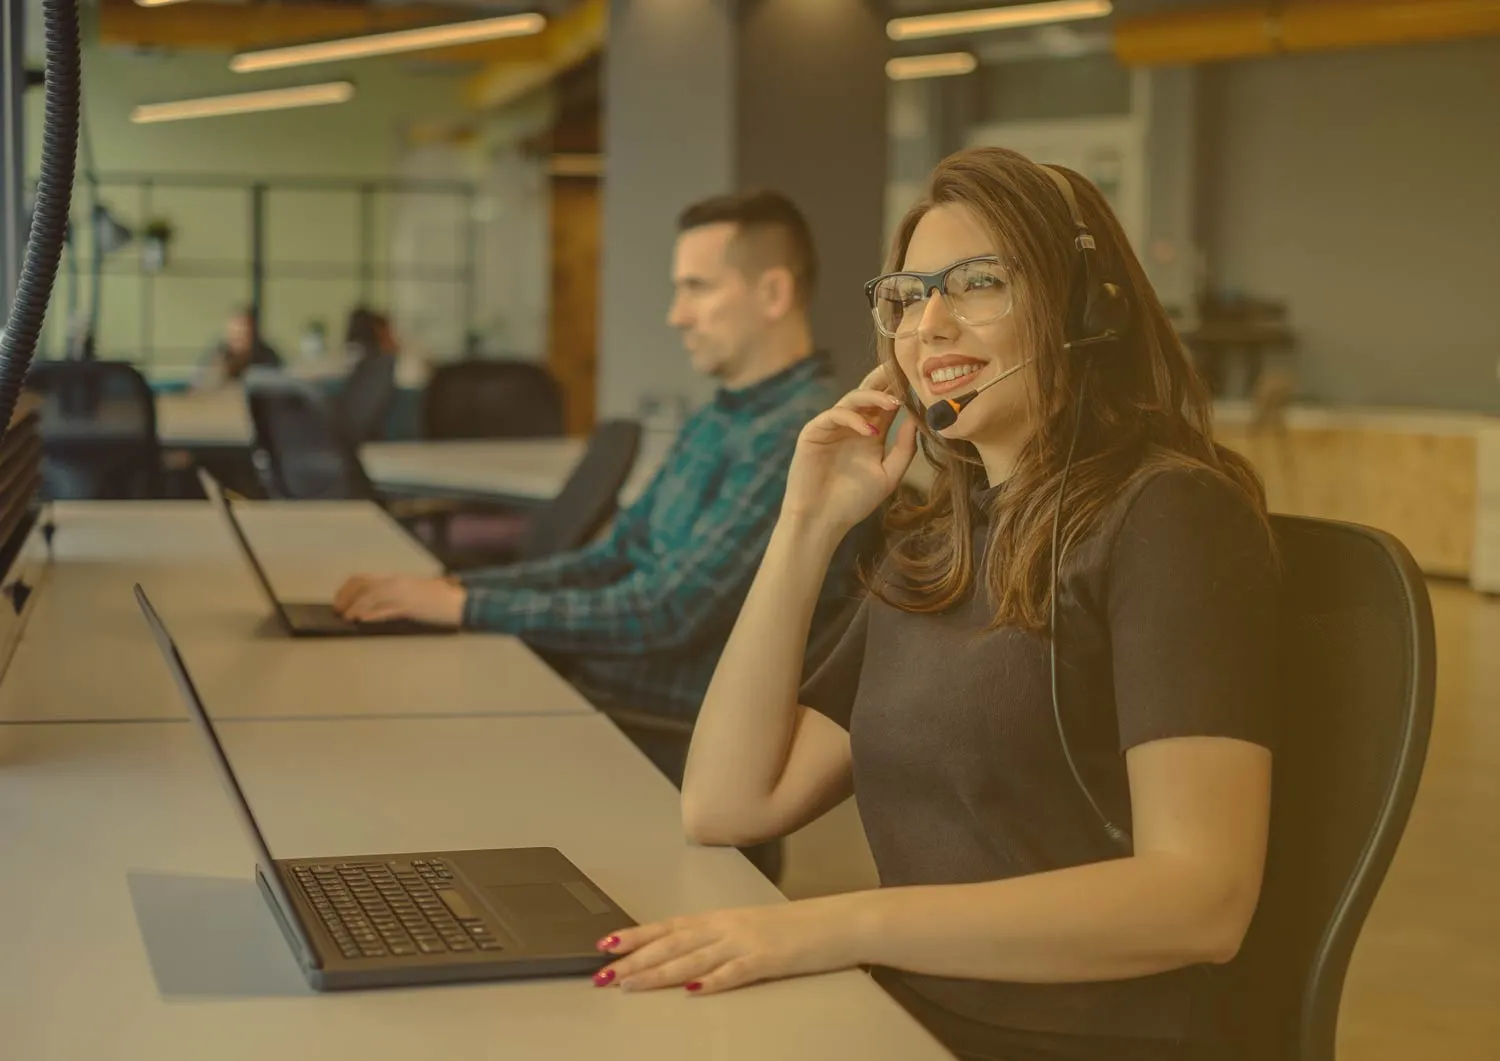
(492, 398)
(1359, 667)
(589, 498)
(309, 456)
(366, 399)
(98, 427)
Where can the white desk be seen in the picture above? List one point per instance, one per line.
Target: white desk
(204, 418)
(520, 471)
(85, 653)
(132, 928)
(219, 416)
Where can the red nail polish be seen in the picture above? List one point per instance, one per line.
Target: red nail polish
(604, 977)
(693, 985)
(609, 942)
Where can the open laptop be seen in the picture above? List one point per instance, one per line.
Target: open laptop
(304, 619)
(391, 920)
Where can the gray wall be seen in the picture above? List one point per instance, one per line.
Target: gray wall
(812, 122)
(1170, 249)
(709, 96)
(669, 96)
(1361, 187)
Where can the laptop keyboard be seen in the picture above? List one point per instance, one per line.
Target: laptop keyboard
(379, 909)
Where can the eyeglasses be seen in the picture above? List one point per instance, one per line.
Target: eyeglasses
(976, 291)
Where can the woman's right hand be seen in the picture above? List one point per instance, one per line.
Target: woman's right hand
(841, 470)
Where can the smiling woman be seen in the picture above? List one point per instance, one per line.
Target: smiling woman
(1056, 702)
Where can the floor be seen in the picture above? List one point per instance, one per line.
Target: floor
(1425, 979)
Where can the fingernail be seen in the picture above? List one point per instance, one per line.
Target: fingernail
(604, 977)
(609, 942)
(872, 429)
(693, 985)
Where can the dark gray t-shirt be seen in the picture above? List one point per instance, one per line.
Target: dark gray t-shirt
(1166, 621)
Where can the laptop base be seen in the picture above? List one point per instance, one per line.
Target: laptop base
(320, 620)
(397, 920)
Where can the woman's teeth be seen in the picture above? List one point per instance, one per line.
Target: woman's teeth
(944, 375)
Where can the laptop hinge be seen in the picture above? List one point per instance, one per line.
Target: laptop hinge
(290, 924)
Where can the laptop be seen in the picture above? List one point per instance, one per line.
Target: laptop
(420, 917)
(304, 619)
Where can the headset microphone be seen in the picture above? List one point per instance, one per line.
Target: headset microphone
(944, 413)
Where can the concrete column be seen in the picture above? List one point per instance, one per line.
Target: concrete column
(711, 96)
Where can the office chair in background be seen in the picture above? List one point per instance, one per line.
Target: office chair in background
(98, 427)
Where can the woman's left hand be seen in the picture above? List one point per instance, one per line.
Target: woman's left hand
(731, 948)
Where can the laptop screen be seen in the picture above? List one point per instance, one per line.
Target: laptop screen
(220, 501)
(199, 714)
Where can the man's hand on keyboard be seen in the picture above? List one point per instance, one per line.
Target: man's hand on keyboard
(377, 598)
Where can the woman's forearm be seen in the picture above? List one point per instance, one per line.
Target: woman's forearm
(1107, 921)
(745, 726)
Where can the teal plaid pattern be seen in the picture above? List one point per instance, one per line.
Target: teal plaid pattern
(642, 615)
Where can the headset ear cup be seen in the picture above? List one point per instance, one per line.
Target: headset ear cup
(1108, 312)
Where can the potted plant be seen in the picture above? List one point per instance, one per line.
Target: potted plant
(154, 239)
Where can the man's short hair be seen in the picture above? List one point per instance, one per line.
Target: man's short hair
(769, 231)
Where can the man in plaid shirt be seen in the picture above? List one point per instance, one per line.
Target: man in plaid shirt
(641, 616)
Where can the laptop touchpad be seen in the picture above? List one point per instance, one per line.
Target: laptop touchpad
(535, 904)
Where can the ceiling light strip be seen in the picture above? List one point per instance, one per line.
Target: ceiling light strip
(244, 102)
(404, 40)
(946, 64)
(916, 27)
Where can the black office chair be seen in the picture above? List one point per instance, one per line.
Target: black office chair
(590, 496)
(98, 426)
(306, 454)
(479, 536)
(1360, 667)
(492, 398)
(665, 738)
(363, 405)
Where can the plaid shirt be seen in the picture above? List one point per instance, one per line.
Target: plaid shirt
(643, 614)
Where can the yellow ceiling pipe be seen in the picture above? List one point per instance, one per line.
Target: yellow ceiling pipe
(1247, 30)
(567, 41)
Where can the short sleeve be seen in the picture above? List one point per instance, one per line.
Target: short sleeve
(1193, 596)
(830, 689)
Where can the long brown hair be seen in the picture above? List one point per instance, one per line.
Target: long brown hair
(1145, 405)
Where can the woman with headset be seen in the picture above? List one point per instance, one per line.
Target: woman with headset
(1055, 703)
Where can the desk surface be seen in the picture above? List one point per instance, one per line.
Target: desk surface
(132, 928)
(85, 652)
(204, 418)
(1395, 420)
(523, 471)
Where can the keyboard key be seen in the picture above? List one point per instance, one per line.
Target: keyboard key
(431, 946)
(490, 944)
(455, 902)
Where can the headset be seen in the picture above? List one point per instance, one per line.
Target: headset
(1098, 315)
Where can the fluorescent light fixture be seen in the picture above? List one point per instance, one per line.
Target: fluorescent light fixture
(244, 102)
(156, 3)
(947, 64)
(401, 40)
(916, 27)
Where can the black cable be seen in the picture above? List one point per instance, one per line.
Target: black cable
(96, 263)
(54, 193)
(1118, 835)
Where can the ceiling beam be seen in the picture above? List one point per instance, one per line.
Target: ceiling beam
(567, 41)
